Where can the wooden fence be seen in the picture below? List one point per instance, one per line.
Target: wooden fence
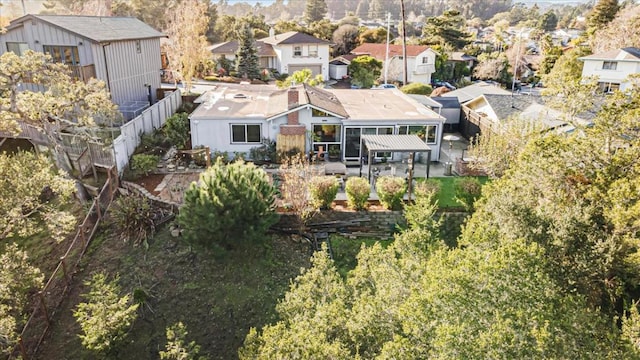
(47, 301)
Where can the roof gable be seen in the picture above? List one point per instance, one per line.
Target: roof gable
(324, 100)
(628, 54)
(293, 37)
(231, 47)
(96, 28)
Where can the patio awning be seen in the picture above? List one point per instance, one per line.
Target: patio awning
(393, 143)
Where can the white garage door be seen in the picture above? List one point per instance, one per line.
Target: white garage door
(315, 69)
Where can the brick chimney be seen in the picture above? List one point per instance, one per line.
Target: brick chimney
(292, 96)
(293, 126)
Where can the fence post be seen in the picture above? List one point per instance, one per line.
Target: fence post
(64, 270)
(82, 237)
(44, 306)
(98, 210)
(23, 351)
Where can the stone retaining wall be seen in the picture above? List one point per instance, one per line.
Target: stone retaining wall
(133, 187)
(352, 224)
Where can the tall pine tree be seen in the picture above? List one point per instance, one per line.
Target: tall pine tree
(315, 11)
(603, 12)
(247, 64)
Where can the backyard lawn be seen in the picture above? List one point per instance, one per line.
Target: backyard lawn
(447, 194)
(218, 298)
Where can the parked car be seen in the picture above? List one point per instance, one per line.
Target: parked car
(437, 84)
(385, 86)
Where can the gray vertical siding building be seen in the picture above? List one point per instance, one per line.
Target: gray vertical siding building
(124, 52)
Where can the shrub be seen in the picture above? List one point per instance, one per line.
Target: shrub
(105, 318)
(230, 204)
(391, 190)
(417, 88)
(154, 143)
(323, 190)
(144, 164)
(429, 186)
(176, 130)
(467, 191)
(177, 347)
(132, 216)
(264, 152)
(222, 155)
(358, 190)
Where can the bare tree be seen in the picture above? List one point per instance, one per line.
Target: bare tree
(187, 29)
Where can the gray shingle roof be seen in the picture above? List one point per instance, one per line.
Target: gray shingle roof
(231, 47)
(98, 28)
(325, 100)
(293, 37)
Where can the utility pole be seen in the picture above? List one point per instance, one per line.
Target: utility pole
(404, 45)
(386, 57)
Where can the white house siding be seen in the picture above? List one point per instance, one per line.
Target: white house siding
(285, 53)
(619, 75)
(338, 71)
(216, 134)
(129, 70)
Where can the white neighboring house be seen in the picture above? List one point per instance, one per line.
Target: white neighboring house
(235, 118)
(421, 61)
(612, 67)
(287, 53)
(124, 52)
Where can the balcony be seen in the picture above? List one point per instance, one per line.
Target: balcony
(83, 73)
(424, 69)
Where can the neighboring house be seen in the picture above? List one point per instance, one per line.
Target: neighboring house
(421, 61)
(287, 53)
(266, 54)
(612, 68)
(472, 91)
(235, 118)
(124, 52)
(486, 112)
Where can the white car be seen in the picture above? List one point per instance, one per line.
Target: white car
(385, 86)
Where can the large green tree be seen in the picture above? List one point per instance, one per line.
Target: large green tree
(230, 205)
(445, 30)
(602, 13)
(364, 71)
(418, 299)
(33, 197)
(315, 11)
(17, 279)
(247, 63)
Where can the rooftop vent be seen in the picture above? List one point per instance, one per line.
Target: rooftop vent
(239, 96)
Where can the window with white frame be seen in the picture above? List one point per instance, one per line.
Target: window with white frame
(297, 51)
(425, 59)
(17, 48)
(609, 65)
(313, 50)
(608, 87)
(246, 133)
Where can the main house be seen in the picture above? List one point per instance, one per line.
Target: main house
(612, 68)
(236, 118)
(286, 53)
(124, 52)
(421, 61)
